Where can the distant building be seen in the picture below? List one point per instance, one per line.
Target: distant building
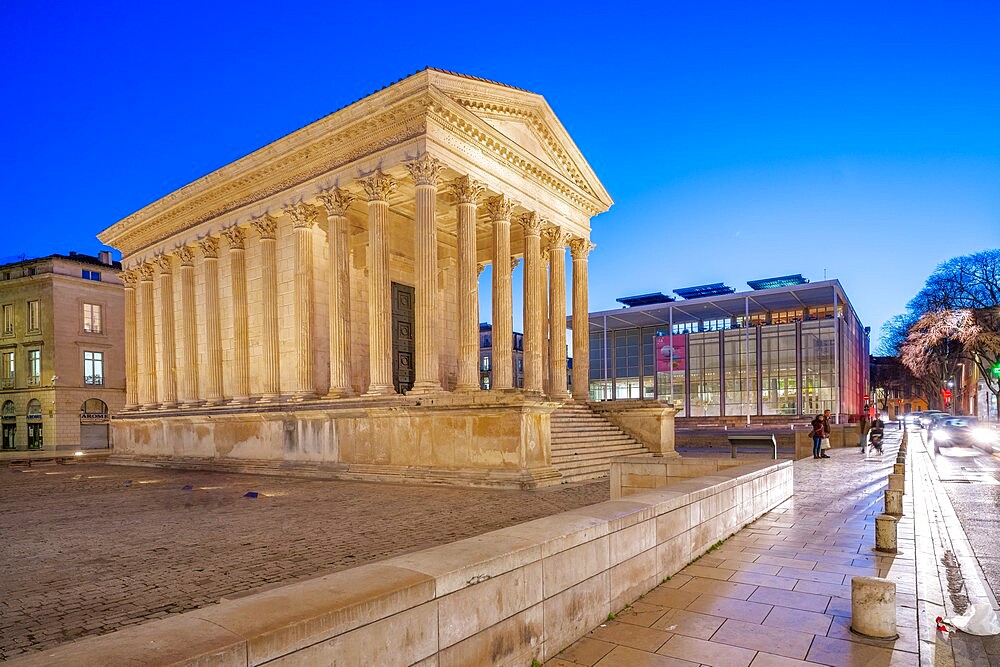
(62, 350)
(894, 389)
(786, 348)
(486, 357)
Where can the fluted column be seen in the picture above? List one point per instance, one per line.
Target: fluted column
(270, 367)
(336, 202)
(168, 343)
(580, 248)
(557, 313)
(212, 392)
(303, 216)
(500, 208)
(129, 279)
(425, 171)
(189, 339)
(467, 192)
(377, 188)
(147, 359)
(241, 327)
(543, 300)
(532, 226)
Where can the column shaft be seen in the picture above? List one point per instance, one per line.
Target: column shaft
(580, 248)
(241, 331)
(467, 192)
(303, 217)
(425, 172)
(337, 202)
(189, 339)
(168, 344)
(532, 306)
(213, 389)
(129, 279)
(377, 188)
(270, 377)
(557, 316)
(147, 360)
(503, 316)
(543, 300)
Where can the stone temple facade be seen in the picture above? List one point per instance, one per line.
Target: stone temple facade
(313, 306)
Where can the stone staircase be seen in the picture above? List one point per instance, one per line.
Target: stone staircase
(583, 443)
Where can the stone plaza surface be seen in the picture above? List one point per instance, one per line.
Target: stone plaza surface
(88, 549)
(778, 593)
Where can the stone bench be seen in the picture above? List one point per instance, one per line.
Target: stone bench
(748, 439)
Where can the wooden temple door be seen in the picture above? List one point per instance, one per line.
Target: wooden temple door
(403, 325)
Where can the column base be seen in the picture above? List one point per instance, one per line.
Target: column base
(380, 390)
(148, 406)
(210, 402)
(338, 393)
(467, 388)
(560, 396)
(424, 388)
(270, 398)
(190, 404)
(239, 400)
(300, 396)
(168, 406)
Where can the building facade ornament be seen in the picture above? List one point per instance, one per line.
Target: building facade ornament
(209, 247)
(500, 207)
(336, 201)
(302, 214)
(425, 170)
(186, 255)
(514, 261)
(266, 226)
(234, 237)
(467, 190)
(146, 272)
(554, 237)
(163, 263)
(580, 247)
(532, 223)
(129, 278)
(377, 186)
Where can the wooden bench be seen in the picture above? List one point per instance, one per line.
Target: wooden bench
(736, 439)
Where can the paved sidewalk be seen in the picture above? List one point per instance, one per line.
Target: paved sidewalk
(778, 592)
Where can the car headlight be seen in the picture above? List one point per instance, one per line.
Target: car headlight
(984, 435)
(941, 435)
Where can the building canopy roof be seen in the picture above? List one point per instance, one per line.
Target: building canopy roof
(645, 299)
(780, 281)
(714, 289)
(793, 297)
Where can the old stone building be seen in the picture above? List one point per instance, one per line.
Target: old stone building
(62, 351)
(313, 306)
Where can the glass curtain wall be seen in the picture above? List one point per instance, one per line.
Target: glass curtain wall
(777, 364)
(818, 389)
(703, 362)
(600, 388)
(740, 384)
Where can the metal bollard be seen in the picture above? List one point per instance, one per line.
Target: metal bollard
(873, 608)
(899, 469)
(894, 502)
(885, 534)
(896, 482)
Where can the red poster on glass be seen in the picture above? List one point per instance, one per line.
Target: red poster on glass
(667, 356)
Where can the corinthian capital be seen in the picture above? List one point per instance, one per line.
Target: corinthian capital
(266, 226)
(514, 261)
(532, 223)
(129, 278)
(377, 186)
(146, 272)
(425, 169)
(467, 190)
(302, 214)
(336, 201)
(209, 247)
(555, 237)
(234, 237)
(185, 255)
(480, 267)
(500, 207)
(163, 262)
(580, 248)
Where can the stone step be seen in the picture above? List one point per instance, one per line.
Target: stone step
(583, 443)
(603, 457)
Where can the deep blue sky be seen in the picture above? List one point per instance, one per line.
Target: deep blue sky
(739, 140)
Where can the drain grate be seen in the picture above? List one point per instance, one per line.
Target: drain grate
(957, 481)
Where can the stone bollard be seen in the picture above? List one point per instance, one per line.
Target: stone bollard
(885, 534)
(896, 483)
(873, 608)
(899, 469)
(901, 458)
(894, 502)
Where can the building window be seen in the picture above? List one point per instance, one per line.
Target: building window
(33, 316)
(91, 275)
(8, 319)
(7, 370)
(93, 368)
(486, 363)
(92, 321)
(34, 367)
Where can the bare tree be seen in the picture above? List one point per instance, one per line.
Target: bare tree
(932, 350)
(980, 338)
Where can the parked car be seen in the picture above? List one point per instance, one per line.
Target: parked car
(964, 431)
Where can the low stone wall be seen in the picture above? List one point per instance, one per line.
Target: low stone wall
(508, 597)
(635, 474)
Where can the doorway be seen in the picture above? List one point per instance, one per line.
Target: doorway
(402, 337)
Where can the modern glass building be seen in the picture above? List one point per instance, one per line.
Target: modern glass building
(786, 347)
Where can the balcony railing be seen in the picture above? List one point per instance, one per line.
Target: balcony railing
(33, 380)
(6, 383)
(93, 379)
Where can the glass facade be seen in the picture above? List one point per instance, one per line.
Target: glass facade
(787, 362)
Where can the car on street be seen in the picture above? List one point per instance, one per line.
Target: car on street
(961, 431)
(927, 416)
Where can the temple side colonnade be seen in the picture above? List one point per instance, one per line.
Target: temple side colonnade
(315, 304)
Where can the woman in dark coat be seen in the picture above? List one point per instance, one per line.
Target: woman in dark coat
(817, 436)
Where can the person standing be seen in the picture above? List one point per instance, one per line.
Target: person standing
(826, 432)
(817, 436)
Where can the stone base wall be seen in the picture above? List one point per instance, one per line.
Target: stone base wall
(508, 597)
(490, 440)
(635, 474)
